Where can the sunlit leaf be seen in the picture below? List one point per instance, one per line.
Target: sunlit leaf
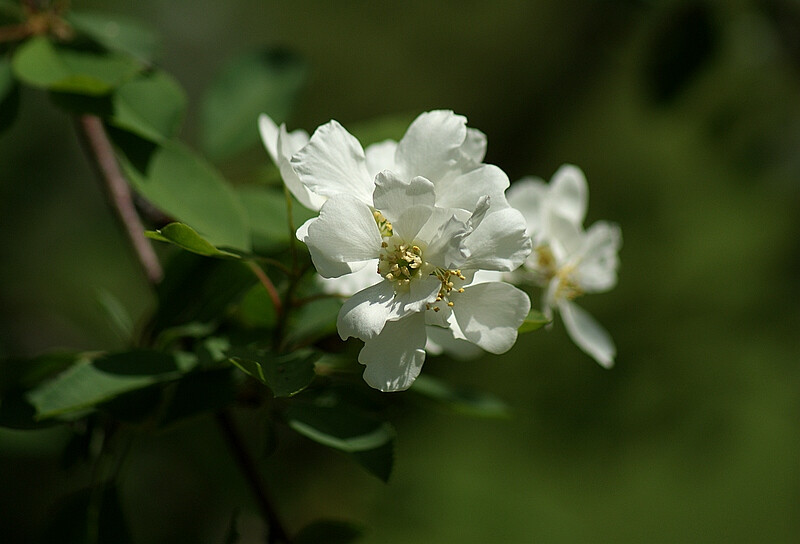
(329, 532)
(534, 321)
(90, 382)
(258, 82)
(466, 401)
(39, 63)
(151, 106)
(186, 187)
(117, 33)
(187, 238)
(285, 375)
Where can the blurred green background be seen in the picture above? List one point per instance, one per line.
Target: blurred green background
(685, 117)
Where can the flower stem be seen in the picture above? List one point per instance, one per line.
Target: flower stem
(277, 533)
(269, 286)
(101, 153)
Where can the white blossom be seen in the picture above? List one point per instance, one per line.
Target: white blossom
(568, 261)
(423, 214)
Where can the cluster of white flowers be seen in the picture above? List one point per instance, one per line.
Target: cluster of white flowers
(568, 261)
(404, 227)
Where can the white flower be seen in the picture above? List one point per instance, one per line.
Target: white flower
(566, 260)
(424, 255)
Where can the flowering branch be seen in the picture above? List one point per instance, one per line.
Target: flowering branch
(99, 149)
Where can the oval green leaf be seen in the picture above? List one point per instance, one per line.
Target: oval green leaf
(186, 187)
(117, 33)
(285, 376)
(462, 400)
(41, 64)
(534, 321)
(150, 106)
(339, 427)
(187, 238)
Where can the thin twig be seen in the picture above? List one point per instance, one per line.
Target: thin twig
(277, 533)
(269, 286)
(100, 150)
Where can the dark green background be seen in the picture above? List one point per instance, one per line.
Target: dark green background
(685, 117)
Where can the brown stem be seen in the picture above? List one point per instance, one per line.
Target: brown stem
(277, 533)
(269, 286)
(101, 152)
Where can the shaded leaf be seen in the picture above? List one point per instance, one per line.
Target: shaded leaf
(151, 106)
(88, 516)
(266, 212)
(535, 320)
(257, 309)
(117, 33)
(89, 383)
(339, 427)
(462, 400)
(200, 392)
(329, 532)
(186, 187)
(378, 462)
(9, 95)
(187, 238)
(257, 82)
(41, 64)
(197, 290)
(313, 320)
(119, 318)
(285, 375)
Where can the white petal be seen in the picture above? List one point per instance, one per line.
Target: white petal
(431, 145)
(411, 221)
(393, 195)
(380, 157)
(597, 270)
(489, 314)
(569, 193)
(288, 144)
(349, 284)
(474, 146)
(444, 233)
(528, 196)
(394, 358)
(566, 238)
(344, 232)
(269, 135)
(464, 191)
(333, 163)
(442, 340)
(364, 314)
(500, 242)
(588, 334)
(321, 262)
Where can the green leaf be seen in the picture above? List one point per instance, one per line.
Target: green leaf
(329, 532)
(151, 106)
(462, 400)
(41, 64)
(189, 189)
(339, 427)
(187, 238)
(117, 33)
(285, 375)
(535, 321)
(257, 309)
(199, 290)
(257, 82)
(9, 95)
(89, 383)
(119, 318)
(266, 213)
(200, 392)
(313, 321)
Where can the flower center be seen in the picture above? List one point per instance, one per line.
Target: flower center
(446, 276)
(400, 264)
(567, 287)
